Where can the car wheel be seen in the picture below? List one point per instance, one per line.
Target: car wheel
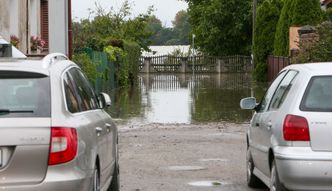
(275, 182)
(96, 180)
(252, 179)
(115, 184)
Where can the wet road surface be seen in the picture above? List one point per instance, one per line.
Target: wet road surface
(207, 157)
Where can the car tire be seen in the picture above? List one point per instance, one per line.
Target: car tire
(96, 180)
(252, 180)
(275, 182)
(115, 183)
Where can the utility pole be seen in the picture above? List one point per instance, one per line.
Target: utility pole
(253, 31)
(193, 54)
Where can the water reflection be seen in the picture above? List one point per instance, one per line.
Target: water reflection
(183, 98)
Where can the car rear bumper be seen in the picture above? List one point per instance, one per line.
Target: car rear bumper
(58, 178)
(300, 168)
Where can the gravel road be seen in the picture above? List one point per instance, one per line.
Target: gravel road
(174, 157)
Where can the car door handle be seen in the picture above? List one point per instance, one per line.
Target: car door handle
(108, 127)
(99, 130)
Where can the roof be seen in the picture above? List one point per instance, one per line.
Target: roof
(166, 50)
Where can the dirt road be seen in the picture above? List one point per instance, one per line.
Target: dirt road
(160, 157)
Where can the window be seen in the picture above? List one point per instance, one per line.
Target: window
(318, 95)
(24, 94)
(268, 95)
(282, 90)
(88, 99)
(70, 93)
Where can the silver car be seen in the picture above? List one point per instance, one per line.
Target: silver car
(54, 132)
(290, 135)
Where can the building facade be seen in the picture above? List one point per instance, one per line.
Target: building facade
(48, 19)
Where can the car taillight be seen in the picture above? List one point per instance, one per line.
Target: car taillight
(296, 128)
(63, 146)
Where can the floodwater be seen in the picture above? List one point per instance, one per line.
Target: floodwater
(185, 98)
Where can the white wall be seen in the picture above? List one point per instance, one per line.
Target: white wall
(58, 26)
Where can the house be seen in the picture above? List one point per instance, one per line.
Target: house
(326, 4)
(48, 19)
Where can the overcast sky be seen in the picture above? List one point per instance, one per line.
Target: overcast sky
(165, 10)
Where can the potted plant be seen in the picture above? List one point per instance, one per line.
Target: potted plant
(36, 43)
(14, 40)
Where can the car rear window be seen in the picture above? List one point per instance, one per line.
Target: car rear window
(24, 94)
(318, 95)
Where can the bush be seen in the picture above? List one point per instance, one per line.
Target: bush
(126, 60)
(320, 51)
(260, 72)
(328, 14)
(86, 64)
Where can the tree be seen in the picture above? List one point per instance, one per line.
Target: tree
(109, 26)
(182, 27)
(178, 35)
(295, 13)
(222, 27)
(267, 18)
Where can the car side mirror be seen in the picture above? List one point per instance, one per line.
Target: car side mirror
(104, 100)
(248, 103)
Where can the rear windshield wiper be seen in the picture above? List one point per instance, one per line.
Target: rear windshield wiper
(7, 111)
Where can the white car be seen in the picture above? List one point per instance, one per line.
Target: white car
(290, 135)
(54, 132)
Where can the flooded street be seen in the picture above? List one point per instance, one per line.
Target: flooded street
(184, 132)
(183, 98)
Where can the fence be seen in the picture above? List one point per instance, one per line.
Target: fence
(105, 70)
(198, 64)
(275, 65)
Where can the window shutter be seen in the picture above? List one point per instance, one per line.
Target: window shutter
(44, 21)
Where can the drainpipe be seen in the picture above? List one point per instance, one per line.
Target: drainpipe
(27, 27)
(70, 32)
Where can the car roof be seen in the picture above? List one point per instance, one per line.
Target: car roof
(35, 66)
(23, 66)
(322, 68)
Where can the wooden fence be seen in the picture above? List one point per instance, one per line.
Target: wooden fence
(275, 65)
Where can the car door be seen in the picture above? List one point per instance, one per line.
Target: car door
(106, 136)
(258, 147)
(96, 127)
(268, 118)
